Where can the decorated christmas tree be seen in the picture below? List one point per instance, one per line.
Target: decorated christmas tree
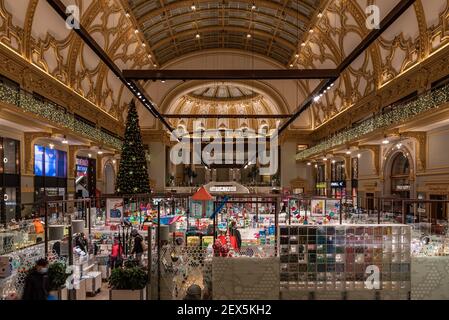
(132, 177)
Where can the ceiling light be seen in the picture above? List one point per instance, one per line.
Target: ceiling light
(399, 145)
(155, 65)
(197, 36)
(65, 141)
(136, 31)
(311, 31)
(348, 152)
(296, 56)
(51, 145)
(386, 141)
(320, 15)
(328, 88)
(324, 159)
(359, 155)
(316, 166)
(114, 161)
(303, 44)
(144, 45)
(150, 56)
(333, 161)
(253, 7)
(90, 155)
(309, 163)
(163, 81)
(127, 15)
(248, 35)
(100, 152)
(193, 7)
(291, 65)
(332, 84)
(316, 99)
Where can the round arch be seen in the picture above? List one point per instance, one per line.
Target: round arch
(109, 177)
(391, 159)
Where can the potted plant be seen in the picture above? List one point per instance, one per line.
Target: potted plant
(128, 283)
(57, 277)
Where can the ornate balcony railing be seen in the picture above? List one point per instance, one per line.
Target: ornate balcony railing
(58, 115)
(400, 114)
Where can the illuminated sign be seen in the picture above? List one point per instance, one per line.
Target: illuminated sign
(402, 187)
(338, 184)
(321, 185)
(223, 189)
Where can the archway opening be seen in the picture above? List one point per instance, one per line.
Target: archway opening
(400, 176)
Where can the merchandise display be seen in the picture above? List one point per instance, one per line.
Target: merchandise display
(338, 258)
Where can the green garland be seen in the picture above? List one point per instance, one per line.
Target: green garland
(400, 114)
(55, 114)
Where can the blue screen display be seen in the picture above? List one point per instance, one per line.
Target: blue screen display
(38, 160)
(49, 162)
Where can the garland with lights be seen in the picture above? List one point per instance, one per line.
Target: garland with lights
(133, 177)
(400, 114)
(55, 114)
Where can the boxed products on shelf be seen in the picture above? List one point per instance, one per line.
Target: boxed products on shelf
(343, 257)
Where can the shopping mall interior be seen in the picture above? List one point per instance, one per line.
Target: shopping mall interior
(224, 150)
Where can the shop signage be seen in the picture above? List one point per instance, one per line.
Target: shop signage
(402, 187)
(223, 189)
(321, 185)
(338, 184)
(82, 162)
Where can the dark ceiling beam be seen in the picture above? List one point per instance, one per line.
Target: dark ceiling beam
(226, 116)
(133, 86)
(394, 14)
(291, 74)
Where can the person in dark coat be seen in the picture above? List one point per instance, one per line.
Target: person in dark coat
(81, 242)
(138, 245)
(37, 284)
(234, 232)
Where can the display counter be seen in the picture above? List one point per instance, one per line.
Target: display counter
(340, 258)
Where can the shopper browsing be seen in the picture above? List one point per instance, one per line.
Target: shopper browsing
(36, 283)
(138, 245)
(116, 255)
(236, 238)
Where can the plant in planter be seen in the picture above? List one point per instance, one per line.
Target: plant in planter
(128, 283)
(57, 277)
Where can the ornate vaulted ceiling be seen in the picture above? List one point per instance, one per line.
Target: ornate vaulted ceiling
(223, 99)
(30, 31)
(271, 28)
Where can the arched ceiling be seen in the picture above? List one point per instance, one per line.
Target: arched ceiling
(223, 99)
(275, 27)
(223, 92)
(31, 30)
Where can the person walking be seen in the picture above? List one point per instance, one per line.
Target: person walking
(116, 255)
(36, 283)
(137, 246)
(236, 237)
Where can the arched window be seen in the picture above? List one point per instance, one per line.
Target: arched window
(400, 166)
(400, 171)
